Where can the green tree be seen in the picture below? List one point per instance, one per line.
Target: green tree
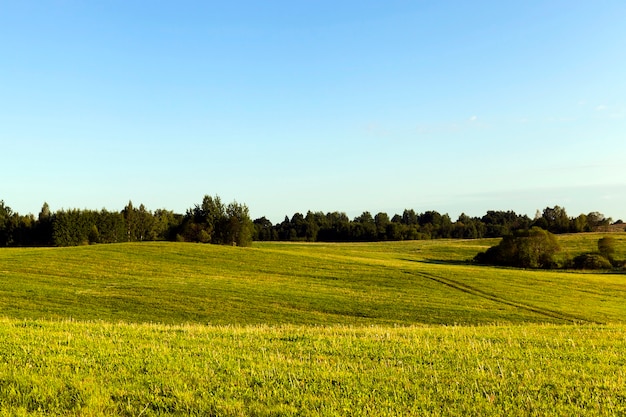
(130, 219)
(445, 227)
(596, 220)
(166, 224)
(580, 224)
(537, 248)
(534, 248)
(382, 221)
(43, 227)
(206, 222)
(409, 217)
(6, 232)
(239, 226)
(556, 219)
(23, 229)
(145, 224)
(312, 226)
(111, 227)
(285, 230)
(393, 231)
(72, 227)
(465, 228)
(263, 230)
(364, 227)
(336, 227)
(502, 223)
(607, 247)
(213, 216)
(94, 234)
(298, 227)
(431, 223)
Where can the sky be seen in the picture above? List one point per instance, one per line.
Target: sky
(291, 106)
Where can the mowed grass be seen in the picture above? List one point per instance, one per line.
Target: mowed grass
(93, 369)
(397, 283)
(289, 329)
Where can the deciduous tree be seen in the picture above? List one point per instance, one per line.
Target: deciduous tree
(534, 248)
(239, 226)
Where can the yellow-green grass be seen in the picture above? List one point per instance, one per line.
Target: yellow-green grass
(104, 369)
(577, 243)
(284, 329)
(402, 283)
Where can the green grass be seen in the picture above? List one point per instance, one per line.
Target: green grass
(294, 329)
(575, 244)
(82, 368)
(397, 283)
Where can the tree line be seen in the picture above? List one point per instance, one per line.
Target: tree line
(208, 222)
(337, 227)
(212, 221)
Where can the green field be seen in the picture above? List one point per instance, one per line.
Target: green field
(397, 328)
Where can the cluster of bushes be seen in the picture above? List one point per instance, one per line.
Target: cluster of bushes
(537, 248)
(533, 248)
(604, 258)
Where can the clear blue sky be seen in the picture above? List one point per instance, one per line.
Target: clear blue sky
(289, 106)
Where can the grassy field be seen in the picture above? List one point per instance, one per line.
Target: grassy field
(401, 283)
(84, 369)
(398, 328)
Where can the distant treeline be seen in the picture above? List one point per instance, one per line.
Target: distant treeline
(337, 227)
(214, 222)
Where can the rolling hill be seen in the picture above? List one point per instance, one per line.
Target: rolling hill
(399, 283)
(288, 329)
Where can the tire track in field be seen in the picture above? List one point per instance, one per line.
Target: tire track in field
(467, 289)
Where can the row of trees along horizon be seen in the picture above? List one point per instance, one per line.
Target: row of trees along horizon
(215, 222)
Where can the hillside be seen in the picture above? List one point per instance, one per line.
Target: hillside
(403, 283)
(306, 330)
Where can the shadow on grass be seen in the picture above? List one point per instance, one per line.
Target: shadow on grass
(617, 271)
(442, 261)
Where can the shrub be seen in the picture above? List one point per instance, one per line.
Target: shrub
(534, 248)
(606, 247)
(591, 261)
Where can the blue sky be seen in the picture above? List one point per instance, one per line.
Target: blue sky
(289, 106)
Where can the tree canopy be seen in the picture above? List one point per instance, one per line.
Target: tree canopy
(533, 248)
(212, 221)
